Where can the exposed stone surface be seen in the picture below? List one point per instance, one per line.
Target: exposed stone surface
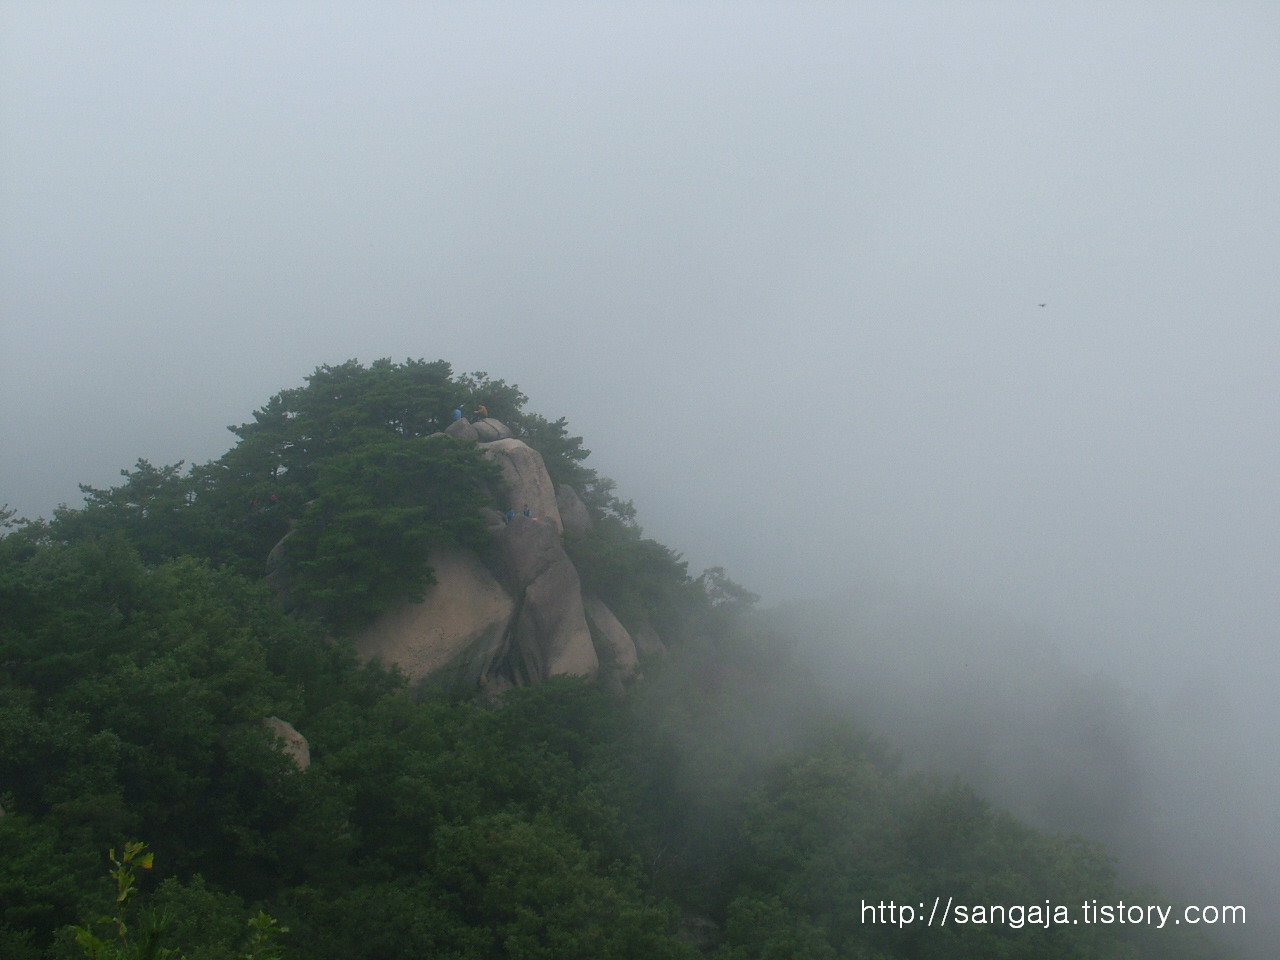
(489, 429)
(470, 631)
(455, 634)
(647, 642)
(524, 621)
(621, 649)
(553, 605)
(277, 572)
(529, 547)
(551, 635)
(462, 430)
(573, 512)
(290, 741)
(526, 478)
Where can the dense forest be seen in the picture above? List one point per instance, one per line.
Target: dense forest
(718, 808)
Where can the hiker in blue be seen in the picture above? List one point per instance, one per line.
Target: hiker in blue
(509, 515)
(457, 414)
(527, 512)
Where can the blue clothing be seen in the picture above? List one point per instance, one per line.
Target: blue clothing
(457, 414)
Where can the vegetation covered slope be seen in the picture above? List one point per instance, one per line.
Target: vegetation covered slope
(716, 810)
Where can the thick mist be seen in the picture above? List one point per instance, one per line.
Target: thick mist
(1179, 789)
(973, 301)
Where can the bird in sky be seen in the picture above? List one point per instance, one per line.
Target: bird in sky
(1042, 304)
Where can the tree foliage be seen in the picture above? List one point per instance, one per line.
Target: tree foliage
(354, 469)
(365, 540)
(717, 810)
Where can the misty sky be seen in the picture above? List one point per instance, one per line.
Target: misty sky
(782, 265)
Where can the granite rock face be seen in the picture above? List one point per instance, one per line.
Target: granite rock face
(529, 547)
(277, 572)
(456, 634)
(489, 429)
(475, 630)
(619, 649)
(551, 635)
(573, 512)
(528, 484)
(647, 641)
(554, 603)
(290, 741)
(520, 616)
(462, 430)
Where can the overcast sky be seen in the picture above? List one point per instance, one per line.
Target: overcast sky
(977, 298)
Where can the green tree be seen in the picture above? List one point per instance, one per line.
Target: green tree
(145, 943)
(352, 467)
(140, 650)
(379, 510)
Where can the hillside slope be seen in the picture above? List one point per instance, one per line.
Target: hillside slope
(715, 807)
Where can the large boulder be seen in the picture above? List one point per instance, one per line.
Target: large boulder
(529, 547)
(648, 643)
(489, 429)
(573, 512)
(462, 430)
(289, 741)
(620, 650)
(458, 631)
(277, 572)
(551, 636)
(526, 478)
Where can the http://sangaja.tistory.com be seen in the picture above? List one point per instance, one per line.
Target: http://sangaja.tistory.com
(1047, 914)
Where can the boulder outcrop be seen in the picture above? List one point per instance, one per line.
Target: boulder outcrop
(529, 547)
(525, 621)
(613, 636)
(289, 741)
(462, 430)
(489, 429)
(647, 641)
(573, 512)
(526, 478)
(277, 572)
(551, 635)
(455, 634)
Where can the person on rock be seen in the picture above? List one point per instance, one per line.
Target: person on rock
(509, 515)
(527, 512)
(457, 413)
(481, 412)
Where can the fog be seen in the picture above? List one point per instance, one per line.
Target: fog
(1176, 788)
(974, 302)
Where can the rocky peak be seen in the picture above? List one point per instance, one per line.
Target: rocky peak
(523, 617)
(529, 486)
